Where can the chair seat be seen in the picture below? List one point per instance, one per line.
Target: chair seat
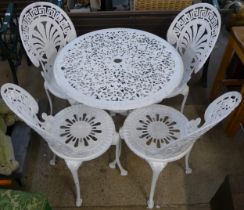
(149, 131)
(81, 132)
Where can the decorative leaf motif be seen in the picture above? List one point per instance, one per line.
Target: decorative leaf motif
(44, 29)
(194, 33)
(47, 40)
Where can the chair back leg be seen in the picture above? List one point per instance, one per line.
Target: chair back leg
(49, 98)
(185, 93)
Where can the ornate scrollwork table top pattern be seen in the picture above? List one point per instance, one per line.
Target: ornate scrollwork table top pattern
(118, 69)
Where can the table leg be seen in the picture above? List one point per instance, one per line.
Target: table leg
(117, 143)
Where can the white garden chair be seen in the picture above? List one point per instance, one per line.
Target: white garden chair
(160, 134)
(193, 32)
(44, 29)
(76, 134)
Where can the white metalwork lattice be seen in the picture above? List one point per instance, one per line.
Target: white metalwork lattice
(160, 134)
(76, 134)
(194, 32)
(44, 29)
(118, 69)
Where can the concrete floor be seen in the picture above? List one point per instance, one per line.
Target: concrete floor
(213, 157)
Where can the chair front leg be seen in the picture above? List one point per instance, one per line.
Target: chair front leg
(185, 93)
(157, 167)
(188, 170)
(73, 166)
(49, 99)
(52, 162)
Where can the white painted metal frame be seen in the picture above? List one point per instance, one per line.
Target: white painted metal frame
(160, 134)
(118, 69)
(44, 29)
(193, 32)
(76, 134)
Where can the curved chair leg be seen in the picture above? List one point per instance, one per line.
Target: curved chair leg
(49, 100)
(52, 162)
(73, 166)
(185, 93)
(188, 170)
(157, 167)
(117, 143)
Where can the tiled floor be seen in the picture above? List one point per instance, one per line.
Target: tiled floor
(213, 157)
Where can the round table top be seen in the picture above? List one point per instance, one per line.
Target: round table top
(118, 69)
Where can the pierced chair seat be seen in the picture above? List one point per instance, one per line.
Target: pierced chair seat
(149, 130)
(82, 133)
(77, 133)
(160, 134)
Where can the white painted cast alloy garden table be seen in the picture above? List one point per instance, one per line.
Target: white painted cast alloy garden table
(118, 69)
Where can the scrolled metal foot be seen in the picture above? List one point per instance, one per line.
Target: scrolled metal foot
(52, 162)
(150, 204)
(112, 164)
(78, 202)
(188, 171)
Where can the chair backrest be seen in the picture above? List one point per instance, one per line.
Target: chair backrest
(194, 32)
(25, 107)
(44, 29)
(219, 109)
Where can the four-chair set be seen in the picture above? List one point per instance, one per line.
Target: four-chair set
(159, 134)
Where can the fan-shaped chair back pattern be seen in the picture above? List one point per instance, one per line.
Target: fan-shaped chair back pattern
(44, 29)
(194, 32)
